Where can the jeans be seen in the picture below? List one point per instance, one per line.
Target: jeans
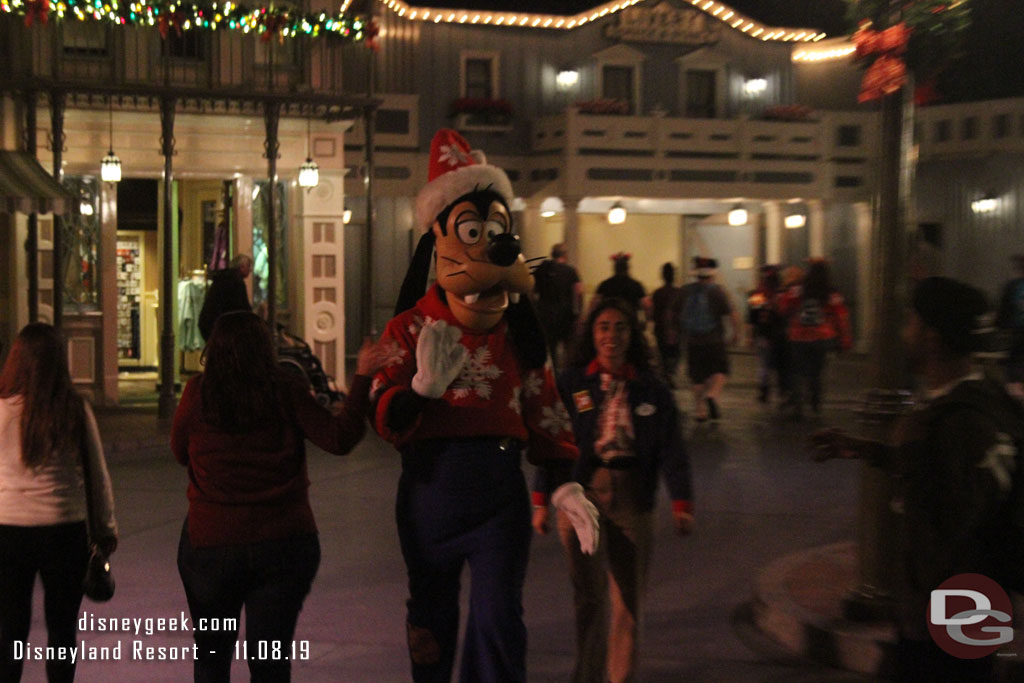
(58, 553)
(270, 578)
(808, 367)
(465, 502)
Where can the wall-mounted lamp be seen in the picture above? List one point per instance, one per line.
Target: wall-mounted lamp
(795, 220)
(986, 204)
(755, 86)
(550, 207)
(346, 216)
(617, 214)
(110, 167)
(567, 78)
(309, 172)
(737, 215)
(85, 208)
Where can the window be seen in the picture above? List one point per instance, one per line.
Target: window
(617, 84)
(261, 265)
(943, 131)
(480, 75)
(1001, 125)
(283, 54)
(848, 136)
(85, 38)
(970, 128)
(701, 93)
(394, 121)
(80, 253)
(186, 45)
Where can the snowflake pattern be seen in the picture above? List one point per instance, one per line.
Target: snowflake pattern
(515, 403)
(418, 323)
(533, 382)
(476, 375)
(555, 419)
(376, 386)
(453, 155)
(395, 354)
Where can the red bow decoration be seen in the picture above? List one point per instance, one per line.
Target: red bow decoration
(272, 25)
(372, 33)
(37, 10)
(888, 73)
(170, 20)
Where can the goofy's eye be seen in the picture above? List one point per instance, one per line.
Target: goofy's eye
(469, 232)
(493, 228)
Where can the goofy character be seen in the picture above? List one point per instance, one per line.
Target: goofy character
(467, 389)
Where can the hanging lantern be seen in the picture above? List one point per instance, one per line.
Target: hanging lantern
(617, 214)
(309, 174)
(738, 215)
(110, 168)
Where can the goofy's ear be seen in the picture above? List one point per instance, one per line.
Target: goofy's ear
(415, 283)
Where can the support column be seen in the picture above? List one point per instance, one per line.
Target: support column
(32, 239)
(108, 291)
(370, 119)
(167, 401)
(773, 232)
(57, 102)
(865, 312)
(816, 228)
(271, 118)
(529, 229)
(571, 229)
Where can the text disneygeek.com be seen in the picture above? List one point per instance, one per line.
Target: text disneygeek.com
(137, 649)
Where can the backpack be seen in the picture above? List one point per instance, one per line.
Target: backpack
(696, 317)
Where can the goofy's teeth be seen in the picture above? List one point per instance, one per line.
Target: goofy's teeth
(471, 298)
(513, 297)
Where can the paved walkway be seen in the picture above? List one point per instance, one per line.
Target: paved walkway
(759, 500)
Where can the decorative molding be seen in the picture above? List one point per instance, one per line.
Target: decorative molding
(664, 24)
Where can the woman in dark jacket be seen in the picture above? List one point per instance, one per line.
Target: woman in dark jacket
(627, 428)
(250, 539)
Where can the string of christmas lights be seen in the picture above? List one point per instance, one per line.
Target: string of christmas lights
(274, 21)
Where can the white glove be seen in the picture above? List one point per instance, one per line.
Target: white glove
(439, 358)
(569, 499)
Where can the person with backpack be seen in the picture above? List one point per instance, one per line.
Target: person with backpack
(956, 462)
(703, 307)
(818, 322)
(559, 300)
(665, 311)
(1011, 319)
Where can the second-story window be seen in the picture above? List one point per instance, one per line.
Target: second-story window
(186, 45)
(617, 84)
(480, 75)
(85, 38)
(701, 94)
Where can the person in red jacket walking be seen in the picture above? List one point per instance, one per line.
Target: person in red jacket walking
(250, 538)
(818, 321)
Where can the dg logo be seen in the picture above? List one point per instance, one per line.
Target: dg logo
(970, 616)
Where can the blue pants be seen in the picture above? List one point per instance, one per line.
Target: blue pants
(465, 501)
(269, 578)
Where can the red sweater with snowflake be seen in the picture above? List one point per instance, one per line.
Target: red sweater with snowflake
(492, 396)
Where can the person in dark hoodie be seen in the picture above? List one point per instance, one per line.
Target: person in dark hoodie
(226, 293)
(954, 458)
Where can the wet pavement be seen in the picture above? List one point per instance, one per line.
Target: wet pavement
(759, 499)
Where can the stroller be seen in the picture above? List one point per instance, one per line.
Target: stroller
(295, 356)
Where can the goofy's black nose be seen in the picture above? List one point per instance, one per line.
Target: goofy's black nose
(503, 249)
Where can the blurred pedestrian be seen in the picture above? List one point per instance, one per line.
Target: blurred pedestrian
(817, 322)
(703, 307)
(768, 334)
(664, 309)
(622, 286)
(627, 428)
(1010, 318)
(559, 301)
(250, 539)
(954, 459)
(226, 293)
(46, 429)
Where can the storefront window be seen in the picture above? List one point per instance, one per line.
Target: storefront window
(80, 247)
(261, 264)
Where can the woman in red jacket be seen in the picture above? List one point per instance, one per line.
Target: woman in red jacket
(250, 538)
(818, 321)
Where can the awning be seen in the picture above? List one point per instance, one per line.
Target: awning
(25, 186)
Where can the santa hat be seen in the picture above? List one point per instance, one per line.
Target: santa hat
(456, 170)
(704, 267)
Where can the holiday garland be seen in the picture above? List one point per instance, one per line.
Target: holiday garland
(274, 21)
(897, 37)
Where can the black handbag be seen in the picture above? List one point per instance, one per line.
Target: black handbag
(98, 584)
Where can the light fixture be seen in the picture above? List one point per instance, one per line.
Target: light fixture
(550, 207)
(550, 213)
(85, 207)
(309, 172)
(617, 214)
(986, 204)
(346, 216)
(755, 86)
(737, 215)
(110, 167)
(795, 220)
(567, 78)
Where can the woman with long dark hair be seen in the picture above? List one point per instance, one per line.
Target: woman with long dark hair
(818, 321)
(250, 538)
(46, 429)
(627, 429)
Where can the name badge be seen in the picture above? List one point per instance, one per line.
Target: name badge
(583, 401)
